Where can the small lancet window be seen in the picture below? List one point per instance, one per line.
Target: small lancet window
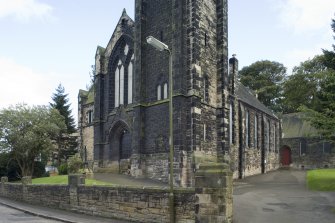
(165, 91)
(205, 89)
(126, 49)
(159, 92)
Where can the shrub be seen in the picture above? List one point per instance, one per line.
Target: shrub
(62, 169)
(39, 170)
(46, 174)
(74, 163)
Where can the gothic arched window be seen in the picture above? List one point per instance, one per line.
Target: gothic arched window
(121, 67)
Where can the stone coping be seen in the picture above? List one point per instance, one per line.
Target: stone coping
(156, 189)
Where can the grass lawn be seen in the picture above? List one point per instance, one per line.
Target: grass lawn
(63, 179)
(321, 180)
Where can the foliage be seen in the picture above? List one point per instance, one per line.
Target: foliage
(62, 169)
(322, 116)
(60, 102)
(9, 167)
(66, 142)
(265, 78)
(39, 169)
(300, 89)
(321, 180)
(64, 180)
(74, 163)
(4, 159)
(92, 77)
(330, 55)
(27, 132)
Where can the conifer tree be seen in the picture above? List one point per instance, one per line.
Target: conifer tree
(61, 103)
(66, 142)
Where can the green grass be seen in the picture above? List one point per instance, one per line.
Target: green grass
(321, 180)
(63, 179)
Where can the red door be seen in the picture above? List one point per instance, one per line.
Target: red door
(286, 156)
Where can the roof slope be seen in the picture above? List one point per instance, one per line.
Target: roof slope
(87, 97)
(245, 95)
(295, 126)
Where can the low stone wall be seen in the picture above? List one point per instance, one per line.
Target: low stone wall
(313, 156)
(134, 203)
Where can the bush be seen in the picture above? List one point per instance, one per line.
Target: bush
(13, 171)
(39, 170)
(46, 174)
(62, 169)
(74, 163)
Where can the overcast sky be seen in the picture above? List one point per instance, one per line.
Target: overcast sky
(47, 42)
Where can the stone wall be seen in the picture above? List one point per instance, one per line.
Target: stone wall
(316, 154)
(254, 149)
(213, 191)
(85, 129)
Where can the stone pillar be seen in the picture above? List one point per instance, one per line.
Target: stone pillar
(25, 182)
(74, 180)
(3, 188)
(214, 188)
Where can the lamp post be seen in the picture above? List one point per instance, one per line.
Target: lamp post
(163, 47)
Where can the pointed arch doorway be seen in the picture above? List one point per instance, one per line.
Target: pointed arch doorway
(120, 148)
(286, 156)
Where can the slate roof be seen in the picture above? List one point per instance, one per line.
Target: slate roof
(87, 96)
(245, 95)
(294, 126)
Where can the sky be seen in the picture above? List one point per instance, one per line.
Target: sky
(44, 43)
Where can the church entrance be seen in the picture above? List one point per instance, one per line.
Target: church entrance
(120, 148)
(286, 156)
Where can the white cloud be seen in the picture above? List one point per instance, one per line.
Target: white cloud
(298, 55)
(22, 84)
(306, 15)
(24, 10)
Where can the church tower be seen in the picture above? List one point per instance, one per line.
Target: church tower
(197, 34)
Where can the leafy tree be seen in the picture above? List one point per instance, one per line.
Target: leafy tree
(75, 163)
(66, 142)
(27, 132)
(330, 55)
(265, 78)
(322, 116)
(301, 87)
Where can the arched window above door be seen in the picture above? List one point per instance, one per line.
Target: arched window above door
(121, 73)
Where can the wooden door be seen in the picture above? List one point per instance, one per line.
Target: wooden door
(286, 156)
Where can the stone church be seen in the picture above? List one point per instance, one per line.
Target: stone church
(215, 118)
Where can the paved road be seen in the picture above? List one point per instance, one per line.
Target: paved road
(12, 215)
(281, 197)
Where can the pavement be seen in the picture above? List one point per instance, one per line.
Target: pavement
(55, 214)
(281, 196)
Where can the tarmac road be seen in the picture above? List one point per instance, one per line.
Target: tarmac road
(281, 197)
